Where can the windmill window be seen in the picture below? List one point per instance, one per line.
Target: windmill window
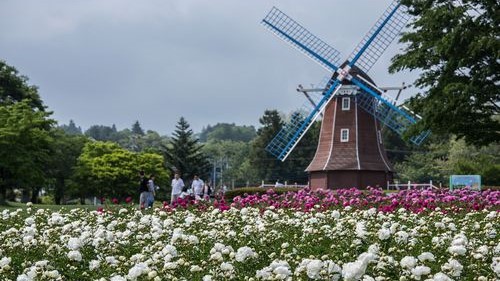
(346, 103)
(344, 135)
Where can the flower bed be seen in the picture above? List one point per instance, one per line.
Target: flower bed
(255, 241)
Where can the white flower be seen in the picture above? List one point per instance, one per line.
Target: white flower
(457, 249)
(441, 277)
(453, 266)
(384, 234)
(195, 268)
(360, 230)
(243, 253)
(5, 261)
(94, 264)
(495, 266)
(353, 270)
(75, 255)
(225, 266)
(137, 270)
(74, 243)
(426, 256)
(420, 270)
(313, 269)
(23, 277)
(118, 278)
(336, 214)
(408, 262)
(207, 278)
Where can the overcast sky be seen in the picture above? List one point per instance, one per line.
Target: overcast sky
(110, 62)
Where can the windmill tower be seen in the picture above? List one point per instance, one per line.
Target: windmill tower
(350, 150)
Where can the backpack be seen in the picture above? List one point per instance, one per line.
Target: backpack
(143, 185)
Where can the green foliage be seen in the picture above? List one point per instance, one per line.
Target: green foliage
(440, 159)
(264, 166)
(454, 45)
(230, 194)
(102, 133)
(184, 153)
(14, 88)
(71, 128)
(106, 169)
(228, 156)
(25, 141)
(136, 129)
(65, 151)
(227, 132)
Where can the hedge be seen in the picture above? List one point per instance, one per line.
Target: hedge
(230, 194)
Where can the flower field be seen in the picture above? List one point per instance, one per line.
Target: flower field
(322, 235)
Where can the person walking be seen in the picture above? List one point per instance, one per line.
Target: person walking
(177, 185)
(151, 191)
(143, 189)
(207, 191)
(197, 187)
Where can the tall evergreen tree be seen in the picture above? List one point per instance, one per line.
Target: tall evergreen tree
(136, 129)
(71, 128)
(268, 168)
(184, 152)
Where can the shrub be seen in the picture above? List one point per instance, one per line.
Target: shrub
(230, 194)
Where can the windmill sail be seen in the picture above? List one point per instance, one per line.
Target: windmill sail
(290, 135)
(379, 37)
(396, 118)
(293, 33)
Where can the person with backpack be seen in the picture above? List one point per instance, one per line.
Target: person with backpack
(143, 189)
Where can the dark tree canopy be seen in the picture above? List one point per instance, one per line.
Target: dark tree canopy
(71, 128)
(227, 132)
(14, 88)
(455, 46)
(136, 129)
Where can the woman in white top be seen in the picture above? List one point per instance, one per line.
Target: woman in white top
(177, 185)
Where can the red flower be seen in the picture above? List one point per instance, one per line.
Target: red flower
(128, 199)
(115, 201)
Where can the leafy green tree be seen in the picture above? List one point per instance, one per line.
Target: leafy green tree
(426, 164)
(25, 142)
(184, 152)
(225, 131)
(454, 45)
(71, 128)
(65, 151)
(106, 169)
(228, 156)
(14, 88)
(101, 133)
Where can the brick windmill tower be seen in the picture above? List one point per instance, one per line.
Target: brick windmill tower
(350, 150)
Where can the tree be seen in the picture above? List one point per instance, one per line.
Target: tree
(65, 151)
(14, 88)
(25, 142)
(228, 156)
(101, 133)
(454, 45)
(225, 131)
(106, 169)
(266, 166)
(136, 129)
(184, 153)
(71, 128)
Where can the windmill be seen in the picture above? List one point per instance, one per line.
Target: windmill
(350, 150)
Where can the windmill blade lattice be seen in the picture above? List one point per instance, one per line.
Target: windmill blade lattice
(396, 118)
(292, 132)
(292, 32)
(380, 36)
